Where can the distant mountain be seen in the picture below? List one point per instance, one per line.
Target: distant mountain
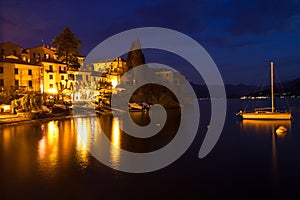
(289, 88)
(232, 91)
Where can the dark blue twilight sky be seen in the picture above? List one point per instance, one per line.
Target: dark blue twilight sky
(242, 36)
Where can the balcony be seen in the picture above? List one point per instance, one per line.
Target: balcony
(61, 71)
(49, 70)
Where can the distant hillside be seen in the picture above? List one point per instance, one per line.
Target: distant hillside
(232, 91)
(289, 88)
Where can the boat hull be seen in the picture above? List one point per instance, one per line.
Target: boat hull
(267, 115)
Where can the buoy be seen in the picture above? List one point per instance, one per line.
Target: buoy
(281, 130)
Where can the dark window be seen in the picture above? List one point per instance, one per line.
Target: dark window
(30, 83)
(50, 76)
(78, 77)
(1, 82)
(50, 68)
(16, 71)
(51, 85)
(36, 55)
(62, 78)
(86, 77)
(16, 82)
(71, 77)
(29, 72)
(1, 70)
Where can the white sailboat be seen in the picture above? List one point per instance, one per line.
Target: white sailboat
(267, 113)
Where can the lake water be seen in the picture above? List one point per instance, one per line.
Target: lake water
(46, 160)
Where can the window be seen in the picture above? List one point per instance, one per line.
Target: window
(29, 72)
(50, 85)
(16, 82)
(16, 71)
(1, 82)
(62, 78)
(86, 77)
(51, 76)
(36, 55)
(50, 68)
(78, 77)
(30, 83)
(1, 70)
(71, 77)
(47, 56)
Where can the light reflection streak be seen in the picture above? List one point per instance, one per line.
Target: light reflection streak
(265, 128)
(116, 141)
(83, 140)
(48, 147)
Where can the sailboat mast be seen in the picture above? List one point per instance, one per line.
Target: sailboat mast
(272, 85)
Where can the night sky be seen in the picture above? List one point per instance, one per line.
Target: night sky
(241, 36)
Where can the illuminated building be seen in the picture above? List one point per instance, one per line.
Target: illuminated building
(35, 69)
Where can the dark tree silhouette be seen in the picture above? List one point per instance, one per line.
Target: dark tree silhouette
(67, 46)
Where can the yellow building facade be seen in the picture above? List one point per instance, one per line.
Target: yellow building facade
(36, 69)
(18, 75)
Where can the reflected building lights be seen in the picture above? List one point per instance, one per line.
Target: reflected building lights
(83, 140)
(48, 147)
(116, 141)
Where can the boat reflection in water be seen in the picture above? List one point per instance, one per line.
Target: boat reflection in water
(264, 126)
(277, 129)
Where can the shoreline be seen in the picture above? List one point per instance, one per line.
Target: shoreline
(14, 119)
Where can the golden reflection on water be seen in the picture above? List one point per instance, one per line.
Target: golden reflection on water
(116, 141)
(263, 128)
(84, 130)
(58, 144)
(48, 146)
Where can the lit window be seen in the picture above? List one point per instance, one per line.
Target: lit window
(47, 56)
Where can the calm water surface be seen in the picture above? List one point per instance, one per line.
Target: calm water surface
(47, 160)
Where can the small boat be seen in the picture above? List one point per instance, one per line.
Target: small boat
(267, 113)
(139, 106)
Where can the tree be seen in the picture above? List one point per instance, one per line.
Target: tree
(135, 56)
(68, 47)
